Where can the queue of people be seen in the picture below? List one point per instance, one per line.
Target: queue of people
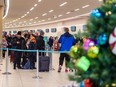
(36, 41)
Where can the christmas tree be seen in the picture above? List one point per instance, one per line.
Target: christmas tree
(95, 58)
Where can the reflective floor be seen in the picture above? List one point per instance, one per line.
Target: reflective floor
(24, 78)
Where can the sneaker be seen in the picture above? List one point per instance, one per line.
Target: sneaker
(66, 70)
(59, 70)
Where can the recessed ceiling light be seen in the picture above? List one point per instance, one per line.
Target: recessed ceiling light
(35, 5)
(63, 4)
(51, 11)
(36, 17)
(28, 12)
(31, 8)
(35, 22)
(43, 20)
(39, 0)
(67, 12)
(77, 9)
(31, 20)
(22, 16)
(60, 15)
(44, 14)
(100, 0)
(85, 6)
(49, 18)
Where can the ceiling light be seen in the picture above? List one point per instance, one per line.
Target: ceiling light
(31, 20)
(35, 5)
(43, 20)
(36, 17)
(25, 14)
(77, 9)
(28, 12)
(100, 0)
(7, 8)
(85, 6)
(63, 4)
(31, 8)
(68, 13)
(22, 16)
(35, 22)
(39, 0)
(60, 15)
(51, 11)
(18, 18)
(44, 14)
(49, 18)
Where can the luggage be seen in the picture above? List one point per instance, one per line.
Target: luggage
(44, 62)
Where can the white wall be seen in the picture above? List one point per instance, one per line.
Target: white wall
(59, 25)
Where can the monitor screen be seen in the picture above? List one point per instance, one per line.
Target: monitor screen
(47, 30)
(53, 30)
(84, 27)
(73, 28)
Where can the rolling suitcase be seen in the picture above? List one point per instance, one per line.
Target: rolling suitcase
(44, 62)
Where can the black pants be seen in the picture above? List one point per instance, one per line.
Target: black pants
(17, 59)
(3, 53)
(62, 57)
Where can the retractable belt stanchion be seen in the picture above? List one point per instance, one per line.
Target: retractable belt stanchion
(6, 73)
(37, 72)
(1, 59)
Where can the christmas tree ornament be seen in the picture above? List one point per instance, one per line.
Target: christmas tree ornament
(88, 83)
(83, 63)
(112, 41)
(86, 44)
(96, 13)
(102, 39)
(91, 43)
(73, 51)
(93, 52)
(82, 84)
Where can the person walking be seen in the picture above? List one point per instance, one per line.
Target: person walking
(66, 41)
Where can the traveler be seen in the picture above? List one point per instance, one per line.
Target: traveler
(66, 41)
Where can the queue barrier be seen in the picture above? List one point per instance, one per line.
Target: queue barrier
(37, 56)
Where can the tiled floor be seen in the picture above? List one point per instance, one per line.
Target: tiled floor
(24, 78)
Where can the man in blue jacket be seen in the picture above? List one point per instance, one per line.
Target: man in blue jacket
(66, 40)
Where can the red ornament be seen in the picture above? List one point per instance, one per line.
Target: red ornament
(88, 83)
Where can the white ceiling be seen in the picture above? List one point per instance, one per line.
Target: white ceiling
(18, 16)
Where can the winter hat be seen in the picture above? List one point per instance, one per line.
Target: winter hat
(19, 33)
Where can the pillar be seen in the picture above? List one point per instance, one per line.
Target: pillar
(1, 15)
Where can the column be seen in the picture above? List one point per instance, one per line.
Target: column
(1, 15)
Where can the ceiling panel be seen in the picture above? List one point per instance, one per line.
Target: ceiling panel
(20, 7)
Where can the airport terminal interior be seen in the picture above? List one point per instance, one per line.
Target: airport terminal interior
(57, 43)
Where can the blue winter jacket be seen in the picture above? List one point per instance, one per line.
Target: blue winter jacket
(66, 40)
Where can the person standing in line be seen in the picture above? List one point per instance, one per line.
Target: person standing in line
(17, 43)
(66, 40)
(41, 43)
(4, 45)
